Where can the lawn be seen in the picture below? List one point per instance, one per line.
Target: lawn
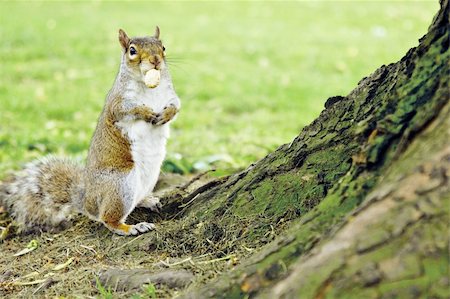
(250, 74)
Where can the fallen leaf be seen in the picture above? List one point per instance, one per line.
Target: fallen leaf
(30, 247)
(62, 266)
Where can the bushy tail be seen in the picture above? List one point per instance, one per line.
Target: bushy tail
(44, 195)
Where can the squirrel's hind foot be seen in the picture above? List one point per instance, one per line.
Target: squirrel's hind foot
(152, 203)
(141, 227)
(130, 230)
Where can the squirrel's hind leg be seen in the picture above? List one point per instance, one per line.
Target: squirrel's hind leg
(114, 209)
(114, 215)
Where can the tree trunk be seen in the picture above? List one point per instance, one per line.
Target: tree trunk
(355, 206)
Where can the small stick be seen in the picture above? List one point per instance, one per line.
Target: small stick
(192, 196)
(177, 263)
(195, 178)
(187, 203)
(88, 248)
(29, 275)
(30, 283)
(45, 285)
(248, 249)
(216, 260)
(128, 243)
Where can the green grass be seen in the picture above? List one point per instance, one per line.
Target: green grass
(250, 74)
(105, 293)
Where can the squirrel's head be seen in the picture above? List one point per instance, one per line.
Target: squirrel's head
(141, 54)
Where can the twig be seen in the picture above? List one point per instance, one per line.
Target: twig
(88, 248)
(189, 259)
(63, 265)
(192, 196)
(195, 178)
(30, 283)
(204, 188)
(247, 248)
(192, 262)
(45, 285)
(128, 243)
(187, 203)
(216, 260)
(29, 275)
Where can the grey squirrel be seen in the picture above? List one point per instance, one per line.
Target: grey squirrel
(124, 158)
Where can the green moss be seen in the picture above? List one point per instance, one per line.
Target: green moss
(352, 293)
(436, 266)
(409, 288)
(254, 202)
(288, 192)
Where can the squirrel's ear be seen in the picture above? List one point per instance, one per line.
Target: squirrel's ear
(156, 35)
(123, 39)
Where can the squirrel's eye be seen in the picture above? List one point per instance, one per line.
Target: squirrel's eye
(164, 49)
(133, 51)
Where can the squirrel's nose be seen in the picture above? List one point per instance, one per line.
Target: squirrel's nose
(156, 62)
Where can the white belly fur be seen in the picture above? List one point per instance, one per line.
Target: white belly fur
(148, 142)
(148, 149)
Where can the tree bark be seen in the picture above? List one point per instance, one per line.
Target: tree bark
(356, 205)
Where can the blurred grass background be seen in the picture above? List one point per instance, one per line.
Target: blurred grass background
(250, 74)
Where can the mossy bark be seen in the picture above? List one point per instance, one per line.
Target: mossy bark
(356, 205)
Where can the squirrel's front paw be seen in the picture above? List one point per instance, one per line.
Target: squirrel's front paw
(145, 113)
(166, 115)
